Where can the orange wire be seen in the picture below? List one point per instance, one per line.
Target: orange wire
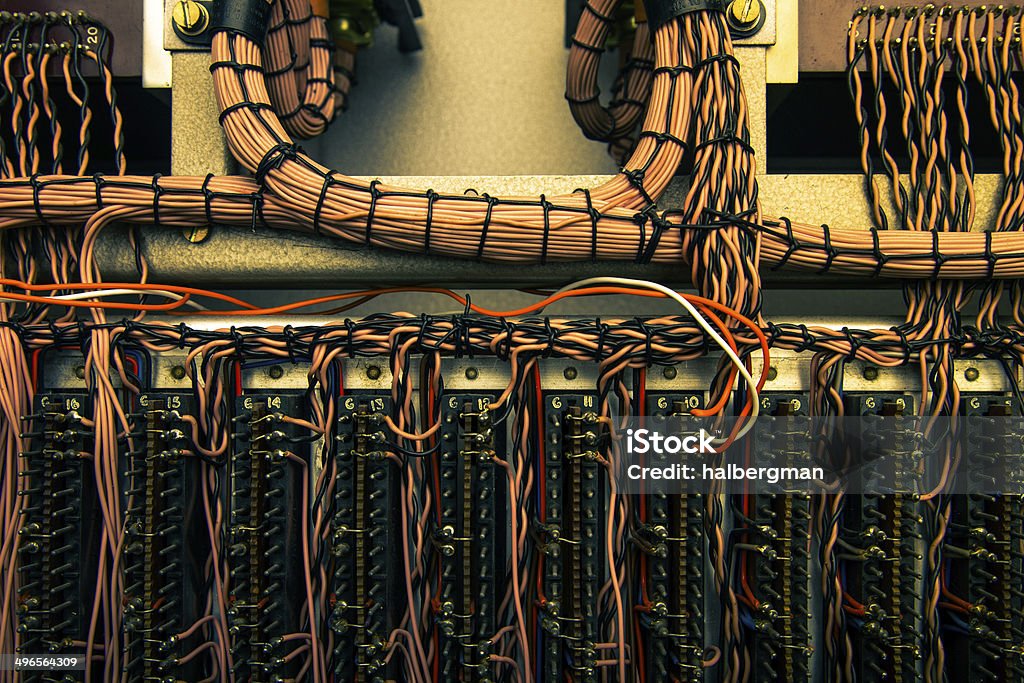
(248, 309)
(284, 308)
(731, 341)
(589, 291)
(956, 601)
(748, 593)
(47, 301)
(87, 286)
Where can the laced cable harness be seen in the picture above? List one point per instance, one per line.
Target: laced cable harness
(281, 87)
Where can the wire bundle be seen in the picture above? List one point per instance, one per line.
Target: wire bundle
(74, 45)
(618, 346)
(615, 122)
(913, 53)
(308, 77)
(697, 110)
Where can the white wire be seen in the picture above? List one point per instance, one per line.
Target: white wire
(701, 321)
(101, 293)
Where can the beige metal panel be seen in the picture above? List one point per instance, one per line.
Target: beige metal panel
(198, 145)
(484, 97)
(783, 58)
(156, 61)
(840, 200)
(973, 375)
(752, 72)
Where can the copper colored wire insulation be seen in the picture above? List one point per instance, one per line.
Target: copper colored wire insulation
(667, 339)
(300, 69)
(911, 52)
(696, 103)
(613, 123)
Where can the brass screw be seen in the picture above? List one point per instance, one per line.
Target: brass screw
(80, 372)
(190, 17)
(472, 373)
(972, 374)
(744, 13)
(373, 372)
(197, 234)
(569, 373)
(670, 372)
(275, 372)
(178, 372)
(773, 373)
(870, 373)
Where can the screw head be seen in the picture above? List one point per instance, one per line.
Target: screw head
(746, 17)
(80, 372)
(275, 372)
(190, 17)
(670, 372)
(472, 373)
(870, 373)
(570, 373)
(373, 372)
(744, 12)
(197, 234)
(972, 374)
(773, 373)
(178, 372)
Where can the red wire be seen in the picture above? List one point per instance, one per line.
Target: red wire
(641, 408)
(748, 593)
(745, 501)
(435, 468)
(641, 505)
(35, 368)
(854, 607)
(541, 479)
(541, 452)
(958, 602)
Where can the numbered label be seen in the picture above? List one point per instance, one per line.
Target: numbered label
(376, 404)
